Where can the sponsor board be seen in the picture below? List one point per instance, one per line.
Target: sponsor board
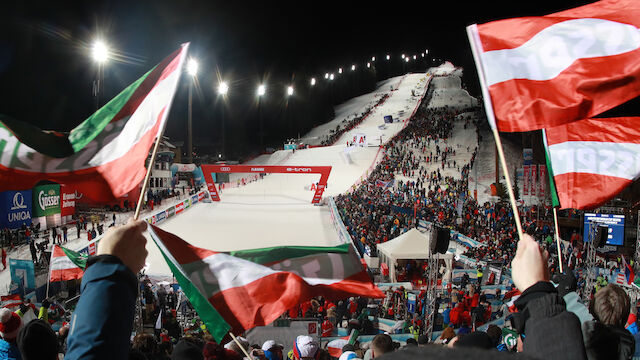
(161, 216)
(194, 199)
(171, 211)
(67, 200)
(46, 200)
(200, 196)
(16, 209)
(180, 207)
(92, 249)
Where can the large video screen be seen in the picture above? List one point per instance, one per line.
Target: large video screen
(614, 223)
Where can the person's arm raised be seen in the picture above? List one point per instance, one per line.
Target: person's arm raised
(102, 321)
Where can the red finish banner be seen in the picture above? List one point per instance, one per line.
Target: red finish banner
(67, 200)
(542, 171)
(324, 172)
(534, 183)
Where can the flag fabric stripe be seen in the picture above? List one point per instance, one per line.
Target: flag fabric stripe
(618, 130)
(593, 160)
(594, 157)
(275, 254)
(563, 67)
(508, 64)
(248, 294)
(264, 300)
(512, 33)
(555, 202)
(587, 191)
(586, 89)
(112, 163)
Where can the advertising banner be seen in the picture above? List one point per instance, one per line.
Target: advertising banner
(161, 216)
(534, 178)
(16, 209)
(23, 278)
(542, 170)
(68, 200)
(187, 203)
(359, 139)
(171, 211)
(527, 156)
(200, 196)
(180, 207)
(194, 199)
(527, 176)
(46, 200)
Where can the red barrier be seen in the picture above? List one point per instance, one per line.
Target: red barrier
(324, 172)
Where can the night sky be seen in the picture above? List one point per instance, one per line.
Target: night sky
(46, 73)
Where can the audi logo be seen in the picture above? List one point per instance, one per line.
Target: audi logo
(225, 168)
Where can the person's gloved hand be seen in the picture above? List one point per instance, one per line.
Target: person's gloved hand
(45, 303)
(530, 264)
(127, 243)
(566, 283)
(24, 308)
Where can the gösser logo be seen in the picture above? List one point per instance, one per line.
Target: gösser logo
(18, 202)
(48, 200)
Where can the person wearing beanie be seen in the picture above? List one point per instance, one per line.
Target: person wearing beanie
(305, 347)
(10, 325)
(37, 341)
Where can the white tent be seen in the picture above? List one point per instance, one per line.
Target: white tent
(412, 245)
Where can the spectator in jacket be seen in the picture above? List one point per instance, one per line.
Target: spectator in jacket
(37, 341)
(10, 325)
(605, 337)
(103, 319)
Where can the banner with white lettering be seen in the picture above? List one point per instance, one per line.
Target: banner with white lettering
(542, 170)
(534, 177)
(15, 209)
(46, 200)
(68, 200)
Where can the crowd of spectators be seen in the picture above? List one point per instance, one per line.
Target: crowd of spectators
(350, 123)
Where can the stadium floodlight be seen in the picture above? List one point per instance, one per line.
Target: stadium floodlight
(331, 77)
(414, 57)
(100, 51)
(403, 56)
(422, 54)
(388, 57)
(289, 90)
(373, 58)
(313, 81)
(262, 89)
(192, 67)
(426, 51)
(326, 75)
(340, 71)
(353, 67)
(223, 88)
(406, 59)
(368, 65)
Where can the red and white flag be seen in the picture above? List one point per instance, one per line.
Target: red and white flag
(593, 160)
(236, 291)
(103, 157)
(539, 72)
(11, 301)
(66, 264)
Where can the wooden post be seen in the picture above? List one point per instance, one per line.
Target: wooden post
(147, 176)
(557, 236)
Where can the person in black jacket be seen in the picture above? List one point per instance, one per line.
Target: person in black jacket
(605, 337)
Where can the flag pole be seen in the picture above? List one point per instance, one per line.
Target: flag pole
(557, 235)
(49, 277)
(145, 183)
(474, 41)
(240, 345)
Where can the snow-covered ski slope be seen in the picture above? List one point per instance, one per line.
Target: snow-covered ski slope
(277, 210)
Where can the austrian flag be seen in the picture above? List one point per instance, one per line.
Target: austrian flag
(545, 71)
(236, 291)
(592, 160)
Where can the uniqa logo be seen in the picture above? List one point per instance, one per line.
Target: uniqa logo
(18, 202)
(47, 200)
